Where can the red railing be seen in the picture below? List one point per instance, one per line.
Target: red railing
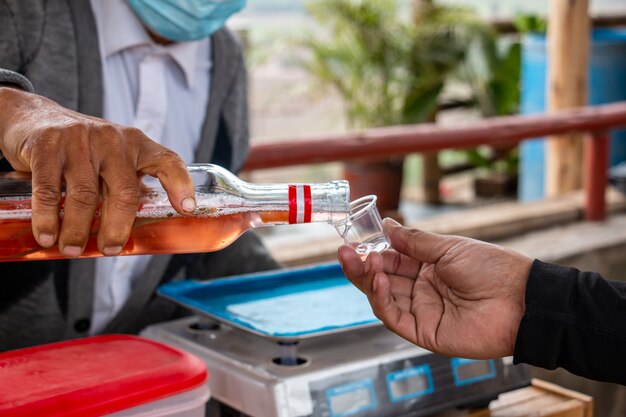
(400, 140)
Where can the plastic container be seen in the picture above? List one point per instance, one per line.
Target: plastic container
(187, 404)
(607, 65)
(114, 375)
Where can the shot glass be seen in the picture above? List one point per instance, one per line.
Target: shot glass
(363, 228)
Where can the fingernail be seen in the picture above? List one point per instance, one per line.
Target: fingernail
(189, 204)
(46, 239)
(71, 251)
(367, 266)
(391, 222)
(111, 250)
(375, 283)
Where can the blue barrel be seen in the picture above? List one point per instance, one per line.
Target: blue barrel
(607, 83)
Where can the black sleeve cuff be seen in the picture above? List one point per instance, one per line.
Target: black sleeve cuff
(574, 320)
(16, 80)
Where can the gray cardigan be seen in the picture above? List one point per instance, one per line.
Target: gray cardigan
(53, 45)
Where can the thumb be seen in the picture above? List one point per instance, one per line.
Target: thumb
(417, 244)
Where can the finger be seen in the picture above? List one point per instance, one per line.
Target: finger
(372, 265)
(120, 192)
(81, 200)
(46, 183)
(404, 303)
(352, 265)
(169, 168)
(399, 264)
(387, 310)
(429, 308)
(418, 244)
(401, 286)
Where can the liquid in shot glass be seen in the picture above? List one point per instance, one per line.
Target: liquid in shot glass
(363, 228)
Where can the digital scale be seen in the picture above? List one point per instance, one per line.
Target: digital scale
(304, 342)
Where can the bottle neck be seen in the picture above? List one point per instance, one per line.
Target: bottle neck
(297, 203)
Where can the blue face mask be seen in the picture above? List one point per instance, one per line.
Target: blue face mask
(185, 20)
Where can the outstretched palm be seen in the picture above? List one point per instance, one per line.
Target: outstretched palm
(450, 295)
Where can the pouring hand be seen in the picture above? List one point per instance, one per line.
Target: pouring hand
(94, 159)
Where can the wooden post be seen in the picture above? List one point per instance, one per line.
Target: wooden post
(431, 171)
(596, 164)
(431, 177)
(568, 52)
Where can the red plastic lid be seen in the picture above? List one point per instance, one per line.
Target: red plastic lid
(93, 376)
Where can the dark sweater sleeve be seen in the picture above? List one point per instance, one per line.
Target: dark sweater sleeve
(13, 79)
(574, 320)
(16, 80)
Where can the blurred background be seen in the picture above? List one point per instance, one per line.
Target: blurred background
(323, 67)
(290, 99)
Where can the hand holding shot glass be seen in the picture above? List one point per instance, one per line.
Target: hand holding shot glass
(362, 230)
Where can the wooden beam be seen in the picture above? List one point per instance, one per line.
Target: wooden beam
(568, 52)
(401, 140)
(506, 26)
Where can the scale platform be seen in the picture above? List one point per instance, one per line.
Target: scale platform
(304, 343)
(285, 306)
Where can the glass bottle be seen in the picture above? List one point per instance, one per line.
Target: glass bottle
(225, 208)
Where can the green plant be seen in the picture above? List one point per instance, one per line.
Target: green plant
(494, 161)
(388, 69)
(525, 23)
(493, 72)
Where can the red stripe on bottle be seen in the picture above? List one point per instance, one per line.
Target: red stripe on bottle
(293, 204)
(307, 204)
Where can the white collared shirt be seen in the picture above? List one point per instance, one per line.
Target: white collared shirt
(162, 90)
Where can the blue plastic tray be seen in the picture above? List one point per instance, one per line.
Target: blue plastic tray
(289, 304)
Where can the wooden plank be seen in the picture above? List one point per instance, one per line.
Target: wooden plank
(568, 52)
(491, 223)
(506, 26)
(586, 400)
(542, 399)
(529, 407)
(569, 408)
